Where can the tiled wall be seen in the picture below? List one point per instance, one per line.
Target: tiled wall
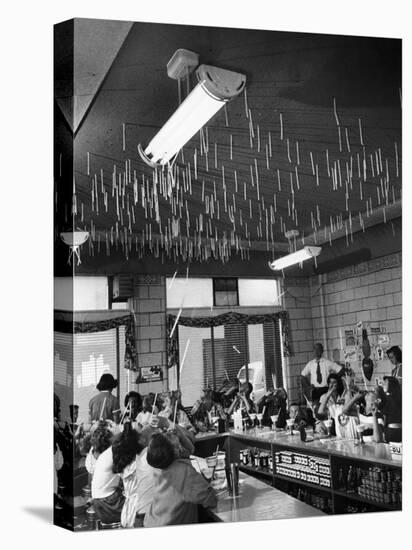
(297, 302)
(370, 292)
(149, 306)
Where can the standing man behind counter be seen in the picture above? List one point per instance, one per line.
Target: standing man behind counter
(314, 376)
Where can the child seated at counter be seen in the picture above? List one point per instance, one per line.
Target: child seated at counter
(144, 416)
(107, 494)
(171, 406)
(100, 439)
(209, 405)
(364, 408)
(129, 461)
(273, 403)
(243, 401)
(177, 488)
(302, 415)
(331, 408)
(133, 404)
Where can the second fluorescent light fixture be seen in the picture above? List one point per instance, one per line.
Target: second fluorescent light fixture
(215, 87)
(297, 257)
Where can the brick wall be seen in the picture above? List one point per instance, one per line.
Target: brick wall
(370, 292)
(149, 307)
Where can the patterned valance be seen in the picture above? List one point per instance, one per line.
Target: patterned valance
(231, 317)
(79, 322)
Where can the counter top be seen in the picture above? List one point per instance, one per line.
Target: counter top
(258, 501)
(372, 452)
(378, 453)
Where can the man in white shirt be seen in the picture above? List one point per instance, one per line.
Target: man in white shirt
(315, 374)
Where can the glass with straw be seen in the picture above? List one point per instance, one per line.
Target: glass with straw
(252, 417)
(259, 416)
(328, 423)
(274, 419)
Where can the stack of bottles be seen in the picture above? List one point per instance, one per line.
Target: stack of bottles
(311, 469)
(377, 485)
(257, 458)
(319, 500)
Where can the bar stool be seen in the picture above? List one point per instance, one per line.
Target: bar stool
(103, 526)
(92, 520)
(87, 492)
(59, 497)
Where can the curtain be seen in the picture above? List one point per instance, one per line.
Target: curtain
(223, 319)
(97, 321)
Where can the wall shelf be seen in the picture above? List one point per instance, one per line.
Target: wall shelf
(357, 498)
(303, 483)
(236, 442)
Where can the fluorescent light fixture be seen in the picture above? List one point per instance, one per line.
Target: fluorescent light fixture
(297, 257)
(215, 88)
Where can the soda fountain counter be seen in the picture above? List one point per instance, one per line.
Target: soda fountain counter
(333, 475)
(257, 501)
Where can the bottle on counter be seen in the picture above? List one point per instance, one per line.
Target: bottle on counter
(256, 461)
(351, 480)
(358, 476)
(341, 479)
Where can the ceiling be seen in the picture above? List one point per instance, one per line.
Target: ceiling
(320, 151)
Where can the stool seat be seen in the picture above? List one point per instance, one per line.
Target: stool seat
(87, 492)
(114, 525)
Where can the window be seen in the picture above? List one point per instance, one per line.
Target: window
(213, 354)
(225, 292)
(80, 360)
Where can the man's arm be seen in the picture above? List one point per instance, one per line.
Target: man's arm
(197, 490)
(185, 440)
(234, 404)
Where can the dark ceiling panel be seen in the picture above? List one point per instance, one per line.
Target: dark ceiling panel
(303, 168)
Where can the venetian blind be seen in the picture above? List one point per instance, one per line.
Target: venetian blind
(210, 355)
(79, 362)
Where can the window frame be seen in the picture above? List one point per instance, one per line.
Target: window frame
(236, 279)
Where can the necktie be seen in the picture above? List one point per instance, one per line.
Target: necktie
(318, 373)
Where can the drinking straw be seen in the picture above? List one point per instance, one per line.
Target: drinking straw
(263, 411)
(364, 379)
(308, 402)
(172, 280)
(102, 409)
(227, 376)
(154, 403)
(184, 356)
(174, 416)
(125, 411)
(175, 323)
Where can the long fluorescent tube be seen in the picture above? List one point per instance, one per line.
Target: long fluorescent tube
(295, 258)
(215, 88)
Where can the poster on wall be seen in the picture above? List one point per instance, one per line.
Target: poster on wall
(149, 374)
(364, 348)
